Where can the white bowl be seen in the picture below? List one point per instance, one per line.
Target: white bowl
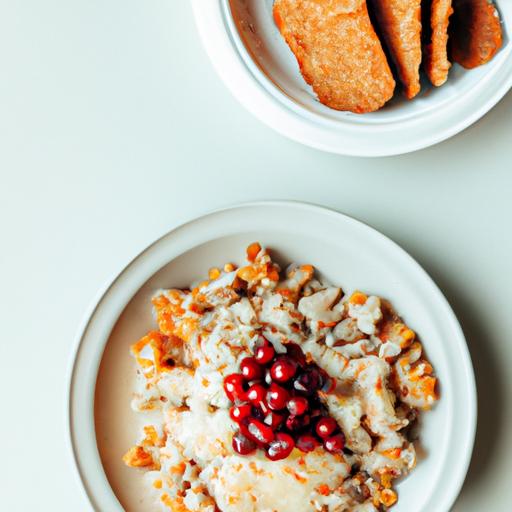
(252, 58)
(347, 253)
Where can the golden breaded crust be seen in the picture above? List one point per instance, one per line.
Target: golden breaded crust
(400, 25)
(435, 49)
(338, 52)
(475, 32)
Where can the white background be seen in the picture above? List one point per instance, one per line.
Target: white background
(114, 128)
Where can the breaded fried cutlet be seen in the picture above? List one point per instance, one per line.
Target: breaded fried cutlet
(436, 17)
(338, 52)
(400, 25)
(475, 32)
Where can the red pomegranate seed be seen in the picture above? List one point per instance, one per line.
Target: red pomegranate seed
(297, 405)
(256, 394)
(258, 420)
(326, 427)
(250, 369)
(262, 342)
(295, 352)
(234, 387)
(245, 431)
(273, 420)
(260, 432)
(264, 354)
(308, 382)
(297, 422)
(280, 447)
(307, 443)
(242, 445)
(335, 444)
(277, 397)
(239, 412)
(283, 369)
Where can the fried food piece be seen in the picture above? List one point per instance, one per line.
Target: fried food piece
(475, 32)
(436, 16)
(400, 25)
(338, 52)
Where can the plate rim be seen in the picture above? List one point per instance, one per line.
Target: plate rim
(91, 311)
(272, 107)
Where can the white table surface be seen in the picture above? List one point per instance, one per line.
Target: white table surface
(114, 128)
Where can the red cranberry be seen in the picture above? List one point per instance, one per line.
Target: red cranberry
(308, 382)
(234, 387)
(242, 444)
(294, 423)
(326, 427)
(264, 354)
(239, 412)
(250, 369)
(260, 432)
(335, 444)
(307, 443)
(297, 405)
(283, 369)
(277, 397)
(280, 447)
(273, 420)
(295, 352)
(256, 394)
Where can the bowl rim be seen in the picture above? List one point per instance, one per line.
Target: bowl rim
(469, 377)
(267, 102)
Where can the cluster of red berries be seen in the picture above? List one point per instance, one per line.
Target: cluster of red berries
(276, 404)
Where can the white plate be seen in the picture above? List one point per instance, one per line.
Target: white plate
(347, 253)
(252, 58)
